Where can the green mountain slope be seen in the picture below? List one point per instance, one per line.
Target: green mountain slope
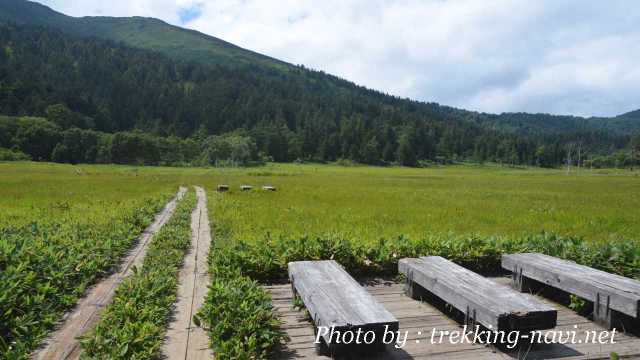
(527, 124)
(188, 45)
(619, 125)
(27, 12)
(140, 74)
(627, 123)
(145, 33)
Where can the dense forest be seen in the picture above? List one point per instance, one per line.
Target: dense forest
(101, 101)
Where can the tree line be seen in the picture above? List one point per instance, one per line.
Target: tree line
(88, 100)
(31, 138)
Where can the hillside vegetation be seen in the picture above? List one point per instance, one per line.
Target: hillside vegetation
(142, 74)
(145, 33)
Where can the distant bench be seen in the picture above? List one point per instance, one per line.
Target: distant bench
(616, 298)
(482, 301)
(334, 298)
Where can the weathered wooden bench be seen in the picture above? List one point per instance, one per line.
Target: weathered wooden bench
(616, 299)
(334, 299)
(484, 302)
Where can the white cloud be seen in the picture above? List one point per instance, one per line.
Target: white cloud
(563, 56)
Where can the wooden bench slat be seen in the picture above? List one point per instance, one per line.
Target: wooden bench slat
(588, 283)
(496, 306)
(334, 298)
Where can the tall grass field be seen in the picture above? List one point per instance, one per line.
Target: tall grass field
(367, 203)
(364, 202)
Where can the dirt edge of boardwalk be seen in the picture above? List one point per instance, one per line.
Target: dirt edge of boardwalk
(183, 339)
(63, 343)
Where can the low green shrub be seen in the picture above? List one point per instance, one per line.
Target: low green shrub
(133, 325)
(238, 314)
(13, 155)
(267, 260)
(46, 266)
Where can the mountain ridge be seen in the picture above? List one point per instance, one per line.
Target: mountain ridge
(115, 75)
(191, 45)
(137, 31)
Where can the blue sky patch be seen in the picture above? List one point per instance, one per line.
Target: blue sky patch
(190, 13)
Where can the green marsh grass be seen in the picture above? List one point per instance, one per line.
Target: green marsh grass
(366, 204)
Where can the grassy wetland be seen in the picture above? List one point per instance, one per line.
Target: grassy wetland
(45, 192)
(63, 227)
(366, 203)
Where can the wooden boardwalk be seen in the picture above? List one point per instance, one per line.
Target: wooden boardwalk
(184, 340)
(63, 343)
(417, 316)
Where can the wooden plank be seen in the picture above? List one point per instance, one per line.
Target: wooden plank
(588, 283)
(424, 317)
(492, 305)
(334, 299)
(184, 340)
(63, 343)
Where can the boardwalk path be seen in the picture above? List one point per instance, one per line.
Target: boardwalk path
(62, 344)
(417, 316)
(184, 340)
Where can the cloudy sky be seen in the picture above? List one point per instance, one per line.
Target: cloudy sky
(576, 57)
